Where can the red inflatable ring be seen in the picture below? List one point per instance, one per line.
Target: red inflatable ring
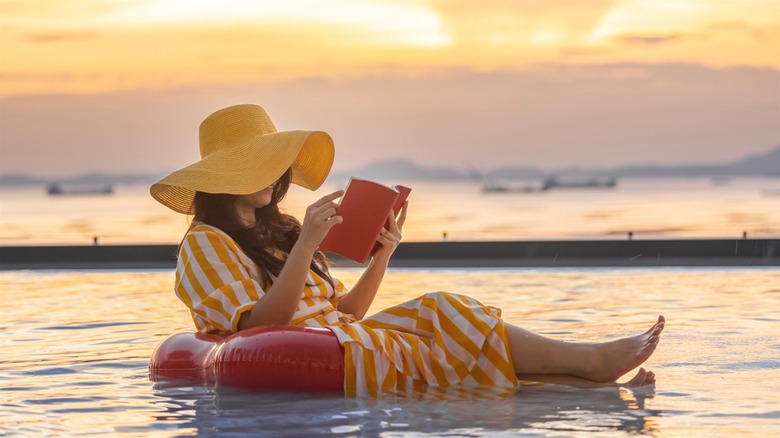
(279, 358)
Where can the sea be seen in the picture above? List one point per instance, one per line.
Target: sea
(453, 210)
(76, 343)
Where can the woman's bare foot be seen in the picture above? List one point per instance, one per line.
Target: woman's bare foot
(613, 359)
(642, 378)
(533, 354)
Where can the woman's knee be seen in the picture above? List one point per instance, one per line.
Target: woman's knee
(440, 296)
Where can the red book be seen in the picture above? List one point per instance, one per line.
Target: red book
(365, 207)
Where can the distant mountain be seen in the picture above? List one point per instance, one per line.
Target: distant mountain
(763, 164)
(767, 164)
(19, 180)
(401, 170)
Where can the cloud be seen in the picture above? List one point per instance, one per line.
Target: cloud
(59, 37)
(556, 115)
(152, 44)
(585, 52)
(57, 9)
(760, 33)
(647, 39)
(488, 25)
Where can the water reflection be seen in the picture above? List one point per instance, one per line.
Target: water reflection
(457, 411)
(76, 349)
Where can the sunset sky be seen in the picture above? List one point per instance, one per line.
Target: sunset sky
(121, 85)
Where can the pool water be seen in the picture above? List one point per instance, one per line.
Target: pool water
(76, 347)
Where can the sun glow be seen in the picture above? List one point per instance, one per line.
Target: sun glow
(416, 23)
(684, 16)
(92, 46)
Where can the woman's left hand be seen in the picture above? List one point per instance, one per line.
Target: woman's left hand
(390, 237)
(359, 299)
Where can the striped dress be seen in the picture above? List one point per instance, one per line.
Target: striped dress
(439, 339)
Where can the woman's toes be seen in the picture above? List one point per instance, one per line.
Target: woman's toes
(638, 379)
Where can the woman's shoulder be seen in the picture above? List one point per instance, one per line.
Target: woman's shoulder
(207, 239)
(204, 228)
(201, 233)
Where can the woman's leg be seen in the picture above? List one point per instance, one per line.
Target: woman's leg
(597, 362)
(642, 378)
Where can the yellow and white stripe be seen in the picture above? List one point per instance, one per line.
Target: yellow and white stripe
(436, 340)
(439, 339)
(218, 282)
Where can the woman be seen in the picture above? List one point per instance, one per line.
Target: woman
(243, 263)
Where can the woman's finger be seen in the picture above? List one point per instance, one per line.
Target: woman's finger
(323, 209)
(392, 225)
(328, 198)
(389, 236)
(384, 241)
(326, 213)
(402, 217)
(393, 235)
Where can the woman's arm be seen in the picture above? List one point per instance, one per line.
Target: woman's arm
(280, 301)
(359, 298)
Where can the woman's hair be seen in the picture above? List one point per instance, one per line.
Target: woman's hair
(273, 230)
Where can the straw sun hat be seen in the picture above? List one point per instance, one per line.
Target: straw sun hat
(241, 153)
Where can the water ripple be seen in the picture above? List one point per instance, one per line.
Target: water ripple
(94, 325)
(51, 372)
(716, 369)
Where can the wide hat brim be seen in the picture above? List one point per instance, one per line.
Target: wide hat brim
(249, 167)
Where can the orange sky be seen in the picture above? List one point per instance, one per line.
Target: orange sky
(98, 45)
(56, 54)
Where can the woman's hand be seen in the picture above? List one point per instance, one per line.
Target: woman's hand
(359, 299)
(390, 237)
(320, 218)
(278, 304)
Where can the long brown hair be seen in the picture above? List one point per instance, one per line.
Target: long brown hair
(273, 230)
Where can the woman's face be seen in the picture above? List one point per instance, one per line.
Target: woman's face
(255, 200)
(246, 204)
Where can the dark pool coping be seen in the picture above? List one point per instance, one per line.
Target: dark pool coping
(478, 254)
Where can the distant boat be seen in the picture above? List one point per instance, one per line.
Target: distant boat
(56, 189)
(590, 183)
(550, 184)
(500, 188)
(490, 186)
(720, 180)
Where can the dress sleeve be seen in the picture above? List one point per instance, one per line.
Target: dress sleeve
(339, 292)
(213, 283)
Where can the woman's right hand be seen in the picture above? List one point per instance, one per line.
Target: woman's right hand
(278, 304)
(320, 218)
